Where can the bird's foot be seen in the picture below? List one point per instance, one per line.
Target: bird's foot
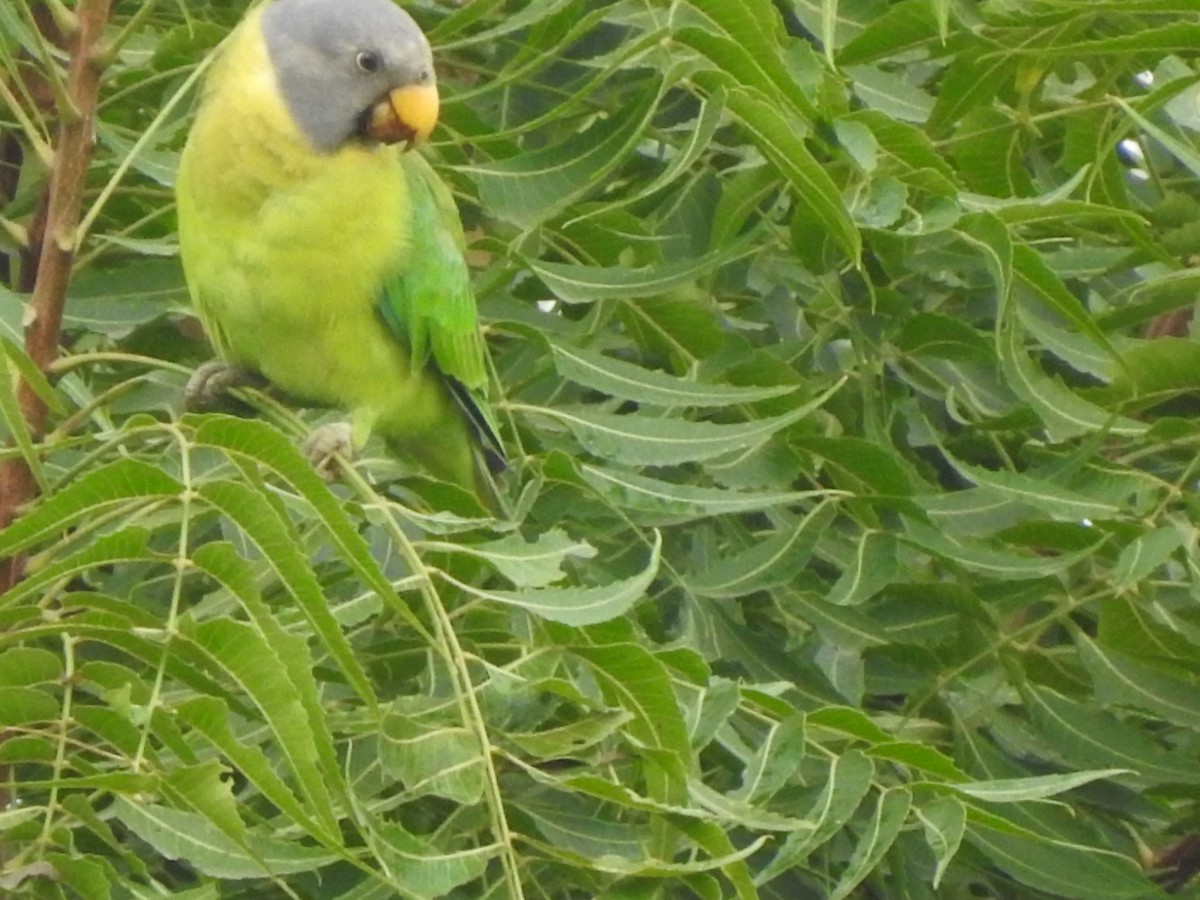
(326, 445)
(208, 388)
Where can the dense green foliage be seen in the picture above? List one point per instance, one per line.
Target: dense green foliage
(854, 548)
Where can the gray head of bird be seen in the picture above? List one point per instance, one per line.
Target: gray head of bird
(352, 70)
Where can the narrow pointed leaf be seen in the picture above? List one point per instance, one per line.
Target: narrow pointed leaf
(582, 605)
(618, 378)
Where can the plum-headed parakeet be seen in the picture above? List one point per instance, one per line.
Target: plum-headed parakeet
(319, 253)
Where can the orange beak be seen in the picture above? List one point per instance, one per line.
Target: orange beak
(405, 114)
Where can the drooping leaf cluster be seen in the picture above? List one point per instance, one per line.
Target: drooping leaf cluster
(843, 352)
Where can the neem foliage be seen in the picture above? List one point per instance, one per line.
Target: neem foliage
(842, 354)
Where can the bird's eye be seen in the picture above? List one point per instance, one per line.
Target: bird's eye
(368, 61)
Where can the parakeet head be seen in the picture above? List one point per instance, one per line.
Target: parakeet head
(352, 70)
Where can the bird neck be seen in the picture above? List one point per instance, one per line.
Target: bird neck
(253, 147)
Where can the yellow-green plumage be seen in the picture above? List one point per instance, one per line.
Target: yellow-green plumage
(288, 252)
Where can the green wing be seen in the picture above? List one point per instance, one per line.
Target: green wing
(430, 306)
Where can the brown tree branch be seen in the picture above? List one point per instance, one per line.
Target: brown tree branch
(37, 88)
(73, 153)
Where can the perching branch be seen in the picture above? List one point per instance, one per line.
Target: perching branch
(57, 240)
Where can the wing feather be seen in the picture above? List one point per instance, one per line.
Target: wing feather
(429, 305)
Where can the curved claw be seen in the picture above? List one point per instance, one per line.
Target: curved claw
(326, 444)
(208, 388)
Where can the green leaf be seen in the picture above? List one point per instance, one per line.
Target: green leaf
(775, 762)
(578, 605)
(1155, 372)
(920, 757)
(969, 82)
(843, 790)
(1081, 732)
(27, 666)
(260, 672)
(590, 284)
(742, 41)
(262, 525)
(698, 136)
(125, 481)
(769, 563)
(423, 868)
(122, 547)
(879, 835)
(1016, 790)
(1039, 863)
(263, 444)
(1144, 554)
(685, 501)
(531, 187)
(570, 739)
(1183, 151)
(779, 140)
(983, 558)
(632, 679)
(210, 717)
(640, 439)
(725, 855)
(203, 788)
(944, 822)
(88, 877)
(866, 463)
(1042, 288)
(20, 373)
(843, 628)
(431, 757)
(902, 27)
(571, 825)
(1064, 413)
(618, 378)
(883, 91)
(1038, 492)
(527, 564)
(873, 568)
(24, 706)
(190, 838)
(1119, 679)
(33, 376)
